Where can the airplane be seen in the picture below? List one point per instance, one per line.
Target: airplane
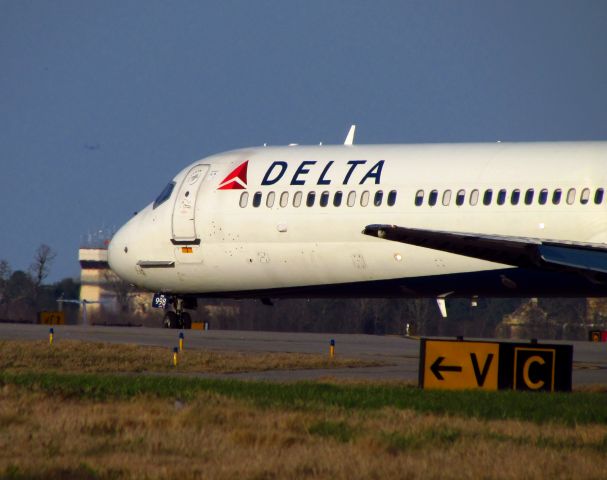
(496, 219)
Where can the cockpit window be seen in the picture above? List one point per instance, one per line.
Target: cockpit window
(164, 195)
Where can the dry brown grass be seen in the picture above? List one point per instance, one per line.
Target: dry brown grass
(88, 357)
(220, 438)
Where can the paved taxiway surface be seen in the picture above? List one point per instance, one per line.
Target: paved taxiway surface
(401, 354)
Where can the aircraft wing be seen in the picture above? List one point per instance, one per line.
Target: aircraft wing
(589, 259)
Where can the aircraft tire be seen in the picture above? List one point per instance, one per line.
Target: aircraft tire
(186, 320)
(170, 320)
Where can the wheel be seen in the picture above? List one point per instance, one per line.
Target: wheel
(170, 320)
(186, 320)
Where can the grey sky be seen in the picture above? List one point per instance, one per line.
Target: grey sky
(101, 102)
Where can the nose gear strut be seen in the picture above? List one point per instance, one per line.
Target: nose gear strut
(178, 318)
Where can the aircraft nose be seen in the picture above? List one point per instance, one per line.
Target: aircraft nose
(118, 255)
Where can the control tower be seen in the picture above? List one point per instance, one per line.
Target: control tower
(95, 274)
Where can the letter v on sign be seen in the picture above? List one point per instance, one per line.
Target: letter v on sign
(481, 376)
(459, 365)
(236, 179)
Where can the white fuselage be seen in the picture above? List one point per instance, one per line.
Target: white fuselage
(211, 237)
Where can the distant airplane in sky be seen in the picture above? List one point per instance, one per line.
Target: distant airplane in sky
(436, 220)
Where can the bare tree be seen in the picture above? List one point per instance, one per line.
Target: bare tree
(39, 270)
(5, 275)
(40, 267)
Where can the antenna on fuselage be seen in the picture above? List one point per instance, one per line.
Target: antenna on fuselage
(350, 138)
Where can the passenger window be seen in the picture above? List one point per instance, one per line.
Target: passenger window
(598, 196)
(392, 198)
(377, 199)
(164, 195)
(515, 196)
(311, 198)
(501, 196)
(270, 199)
(460, 198)
(364, 199)
(487, 197)
(244, 199)
(529, 196)
(351, 199)
(337, 199)
(446, 198)
(473, 197)
(556, 196)
(297, 199)
(419, 198)
(543, 197)
(284, 199)
(257, 199)
(432, 198)
(585, 196)
(324, 199)
(571, 196)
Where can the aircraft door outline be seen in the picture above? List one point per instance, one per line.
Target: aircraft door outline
(184, 209)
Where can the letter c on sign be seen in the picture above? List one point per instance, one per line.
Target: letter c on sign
(530, 383)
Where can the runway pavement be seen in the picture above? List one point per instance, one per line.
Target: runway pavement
(400, 355)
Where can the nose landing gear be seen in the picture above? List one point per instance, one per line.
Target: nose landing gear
(178, 318)
(175, 320)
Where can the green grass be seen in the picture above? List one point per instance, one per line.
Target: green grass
(397, 442)
(561, 408)
(340, 431)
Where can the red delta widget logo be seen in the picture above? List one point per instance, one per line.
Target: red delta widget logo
(237, 178)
